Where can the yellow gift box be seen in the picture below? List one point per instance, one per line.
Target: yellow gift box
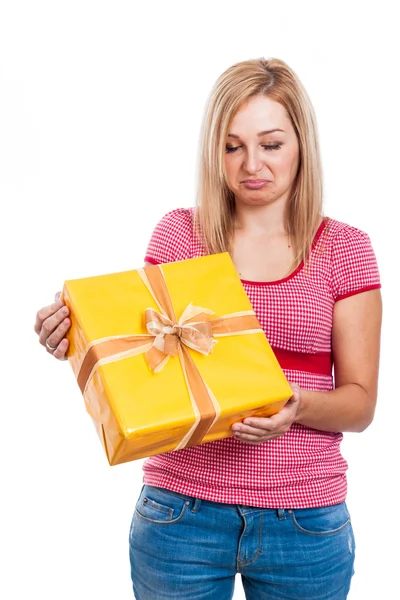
(170, 356)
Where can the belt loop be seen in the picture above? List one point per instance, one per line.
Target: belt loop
(281, 514)
(196, 505)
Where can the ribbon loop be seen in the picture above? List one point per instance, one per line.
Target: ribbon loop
(168, 335)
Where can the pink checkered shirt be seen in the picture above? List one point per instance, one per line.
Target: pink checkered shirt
(304, 467)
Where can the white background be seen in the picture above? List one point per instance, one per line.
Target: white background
(100, 107)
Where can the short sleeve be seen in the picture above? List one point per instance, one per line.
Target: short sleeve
(171, 239)
(354, 265)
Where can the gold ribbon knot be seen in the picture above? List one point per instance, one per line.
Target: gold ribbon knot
(197, 335)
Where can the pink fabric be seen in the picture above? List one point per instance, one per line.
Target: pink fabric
(303, 468)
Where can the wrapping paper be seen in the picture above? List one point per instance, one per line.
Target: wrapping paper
(169, 356)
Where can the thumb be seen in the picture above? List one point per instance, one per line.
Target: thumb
(296, 392)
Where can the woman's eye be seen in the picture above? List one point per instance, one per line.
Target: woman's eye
(272, 146)
(230, 149)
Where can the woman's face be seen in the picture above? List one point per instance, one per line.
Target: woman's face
(262, 153)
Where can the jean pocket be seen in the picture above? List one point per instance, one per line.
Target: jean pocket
(161, 507)
(326, 520)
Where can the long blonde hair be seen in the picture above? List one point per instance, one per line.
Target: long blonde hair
(215, 214)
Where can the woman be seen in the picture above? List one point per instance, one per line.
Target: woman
(268, 502)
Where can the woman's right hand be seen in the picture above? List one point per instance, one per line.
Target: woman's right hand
(52, 323)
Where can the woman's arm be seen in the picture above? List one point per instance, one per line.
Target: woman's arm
(349, 407)
(355, 344)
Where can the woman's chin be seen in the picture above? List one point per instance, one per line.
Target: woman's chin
(254, 199)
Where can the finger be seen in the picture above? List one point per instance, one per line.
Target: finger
(295, 389)
(281, 421)
(247, 429)
(286, 414)
(248, 437)
(61, 351)
(55, 338)
(57, 296)
(45, 313)
(262, 423)
(50, 324)
(252, 439)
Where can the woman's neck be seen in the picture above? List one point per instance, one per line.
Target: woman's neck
(263, 220)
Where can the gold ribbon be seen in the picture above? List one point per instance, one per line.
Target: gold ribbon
(168, 337)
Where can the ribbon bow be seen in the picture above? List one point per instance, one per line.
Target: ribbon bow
(197, 335)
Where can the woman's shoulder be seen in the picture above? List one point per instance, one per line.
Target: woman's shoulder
(172, 237)
(182, 217)
(340, 229)
(351, 259)
(340, 235)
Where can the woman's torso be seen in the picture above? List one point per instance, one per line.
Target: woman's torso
(304, 467)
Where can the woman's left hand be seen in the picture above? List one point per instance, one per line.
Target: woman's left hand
(256, 430)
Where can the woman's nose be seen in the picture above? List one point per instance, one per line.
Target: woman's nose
(252, 163)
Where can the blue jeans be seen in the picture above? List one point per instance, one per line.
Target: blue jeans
(183, 547)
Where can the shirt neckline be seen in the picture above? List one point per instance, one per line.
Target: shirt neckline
(298, 268)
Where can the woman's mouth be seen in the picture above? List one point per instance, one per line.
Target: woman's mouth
(255, 184)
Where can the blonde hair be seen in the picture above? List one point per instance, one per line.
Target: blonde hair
(215, 214)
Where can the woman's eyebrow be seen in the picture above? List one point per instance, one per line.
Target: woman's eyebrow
(269, 131)
(233, 135)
